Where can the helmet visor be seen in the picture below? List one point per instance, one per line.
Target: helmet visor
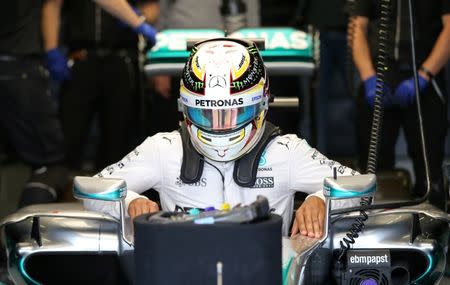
(222, 119)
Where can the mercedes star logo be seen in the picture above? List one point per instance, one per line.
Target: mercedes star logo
(217, 81)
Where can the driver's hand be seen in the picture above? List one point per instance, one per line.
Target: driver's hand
(141, 206)
(309, 218)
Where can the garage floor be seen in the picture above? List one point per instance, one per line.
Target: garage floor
(12, 178)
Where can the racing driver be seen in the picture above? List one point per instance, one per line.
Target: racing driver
(225, 151)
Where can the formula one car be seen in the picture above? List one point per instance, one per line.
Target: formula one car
(65, 244)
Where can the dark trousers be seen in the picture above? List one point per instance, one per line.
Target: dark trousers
(28, 113)
(29, 116)
(107, 86)
(434, 113)
(332, 82)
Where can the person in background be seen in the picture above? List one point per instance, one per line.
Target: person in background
(330, 20)
(104, 78)
(432, 52)
(28, 113)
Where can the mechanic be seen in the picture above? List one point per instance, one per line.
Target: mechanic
(225, 151)
(433, 52)
(28, 114)
(331, 24)
(105, 78)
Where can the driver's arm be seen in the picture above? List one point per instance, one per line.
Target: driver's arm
(309, 218)
(141, 205)
(141, 169)
(308, 170)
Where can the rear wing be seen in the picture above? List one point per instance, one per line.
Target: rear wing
(285, 51)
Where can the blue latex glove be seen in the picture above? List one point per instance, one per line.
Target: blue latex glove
(148, 32)
(405, 92)
(145, 29)
(57, 65)
(370, 85)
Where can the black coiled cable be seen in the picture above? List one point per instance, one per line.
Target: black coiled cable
(355, 229)
(422, 135)
(381, 67)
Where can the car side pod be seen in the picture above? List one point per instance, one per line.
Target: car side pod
(103, 189)
(334, 188)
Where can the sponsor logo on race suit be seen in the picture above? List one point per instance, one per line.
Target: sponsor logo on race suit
(264, 182)
(263, 162)
(201, 183)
